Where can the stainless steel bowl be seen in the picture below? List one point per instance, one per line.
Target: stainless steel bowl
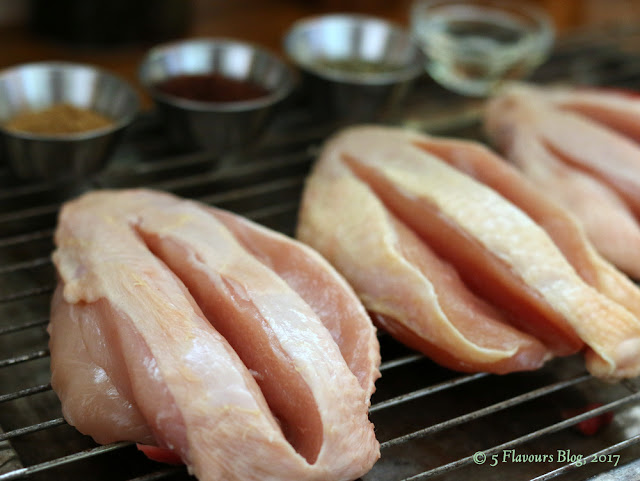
(322, 46)
(218, 127)
(36, 86)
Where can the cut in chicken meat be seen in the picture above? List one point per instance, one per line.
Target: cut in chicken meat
(499, 251)
(617, 109)
(608, 221)
(485, 166)
(328, 294)
(416, 296)
(166, 331)
(575, 139)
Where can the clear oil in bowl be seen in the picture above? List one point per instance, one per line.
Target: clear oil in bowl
(471, 48)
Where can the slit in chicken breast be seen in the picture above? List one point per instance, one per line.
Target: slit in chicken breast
(475, 264)
(228, 306)
(498, 250)
(328, 294)
(139, 270)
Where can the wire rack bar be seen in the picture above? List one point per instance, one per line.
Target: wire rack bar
(24, 358)
(26, 265)
(467, 460)
(19, 215)
(603, 452)
(32, 428)
(426, 391)
(27, 189)
(272, 210)
(25, 392)
(258, 166)
(34, 291)
(528, 396)
(25, 325)
(24, 238)
(158, 165)
(401, 361)
(253, 190)
(36, 468)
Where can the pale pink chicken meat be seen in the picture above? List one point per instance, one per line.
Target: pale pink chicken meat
(564, 229)
(574, 138)
(617, 109)
(495, 247)
(514, 122)
(97, 405)
(182, 339)
(330, 297)
(387, 265)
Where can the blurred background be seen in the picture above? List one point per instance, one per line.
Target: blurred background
(115, 34)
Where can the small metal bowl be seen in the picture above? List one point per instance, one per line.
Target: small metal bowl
(37, 86)
(219, 127)
(356, 67)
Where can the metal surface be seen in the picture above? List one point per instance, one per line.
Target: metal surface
(40, 85)
(218, 126)
(335, 52)
(430, 421)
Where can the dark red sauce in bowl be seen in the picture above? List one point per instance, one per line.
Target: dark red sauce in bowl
(215, 94)
(212, 87)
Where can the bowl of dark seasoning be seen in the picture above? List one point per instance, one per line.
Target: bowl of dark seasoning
(355, 67)
(215, 94)
(62, 120)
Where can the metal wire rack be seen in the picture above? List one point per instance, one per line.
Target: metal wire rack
(431, 422)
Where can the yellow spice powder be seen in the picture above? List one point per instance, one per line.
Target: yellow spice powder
(58, 119)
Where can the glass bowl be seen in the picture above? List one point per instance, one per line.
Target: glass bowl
(473, 46)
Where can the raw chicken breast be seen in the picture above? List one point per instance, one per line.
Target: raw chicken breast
(617, 109)
(416, 296)
(575, 139)
(194, 345)
(499, 251)
(328, 294)
(486, 167)
(95, 405)
(609, 222)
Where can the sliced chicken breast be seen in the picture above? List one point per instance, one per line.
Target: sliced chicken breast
(416, 296)
(617, 109)
(228, 366)
(326, 292)
(495, 247)
(565, 230)
(607, 219)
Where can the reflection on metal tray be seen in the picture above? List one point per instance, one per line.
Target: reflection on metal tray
(429, 420)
